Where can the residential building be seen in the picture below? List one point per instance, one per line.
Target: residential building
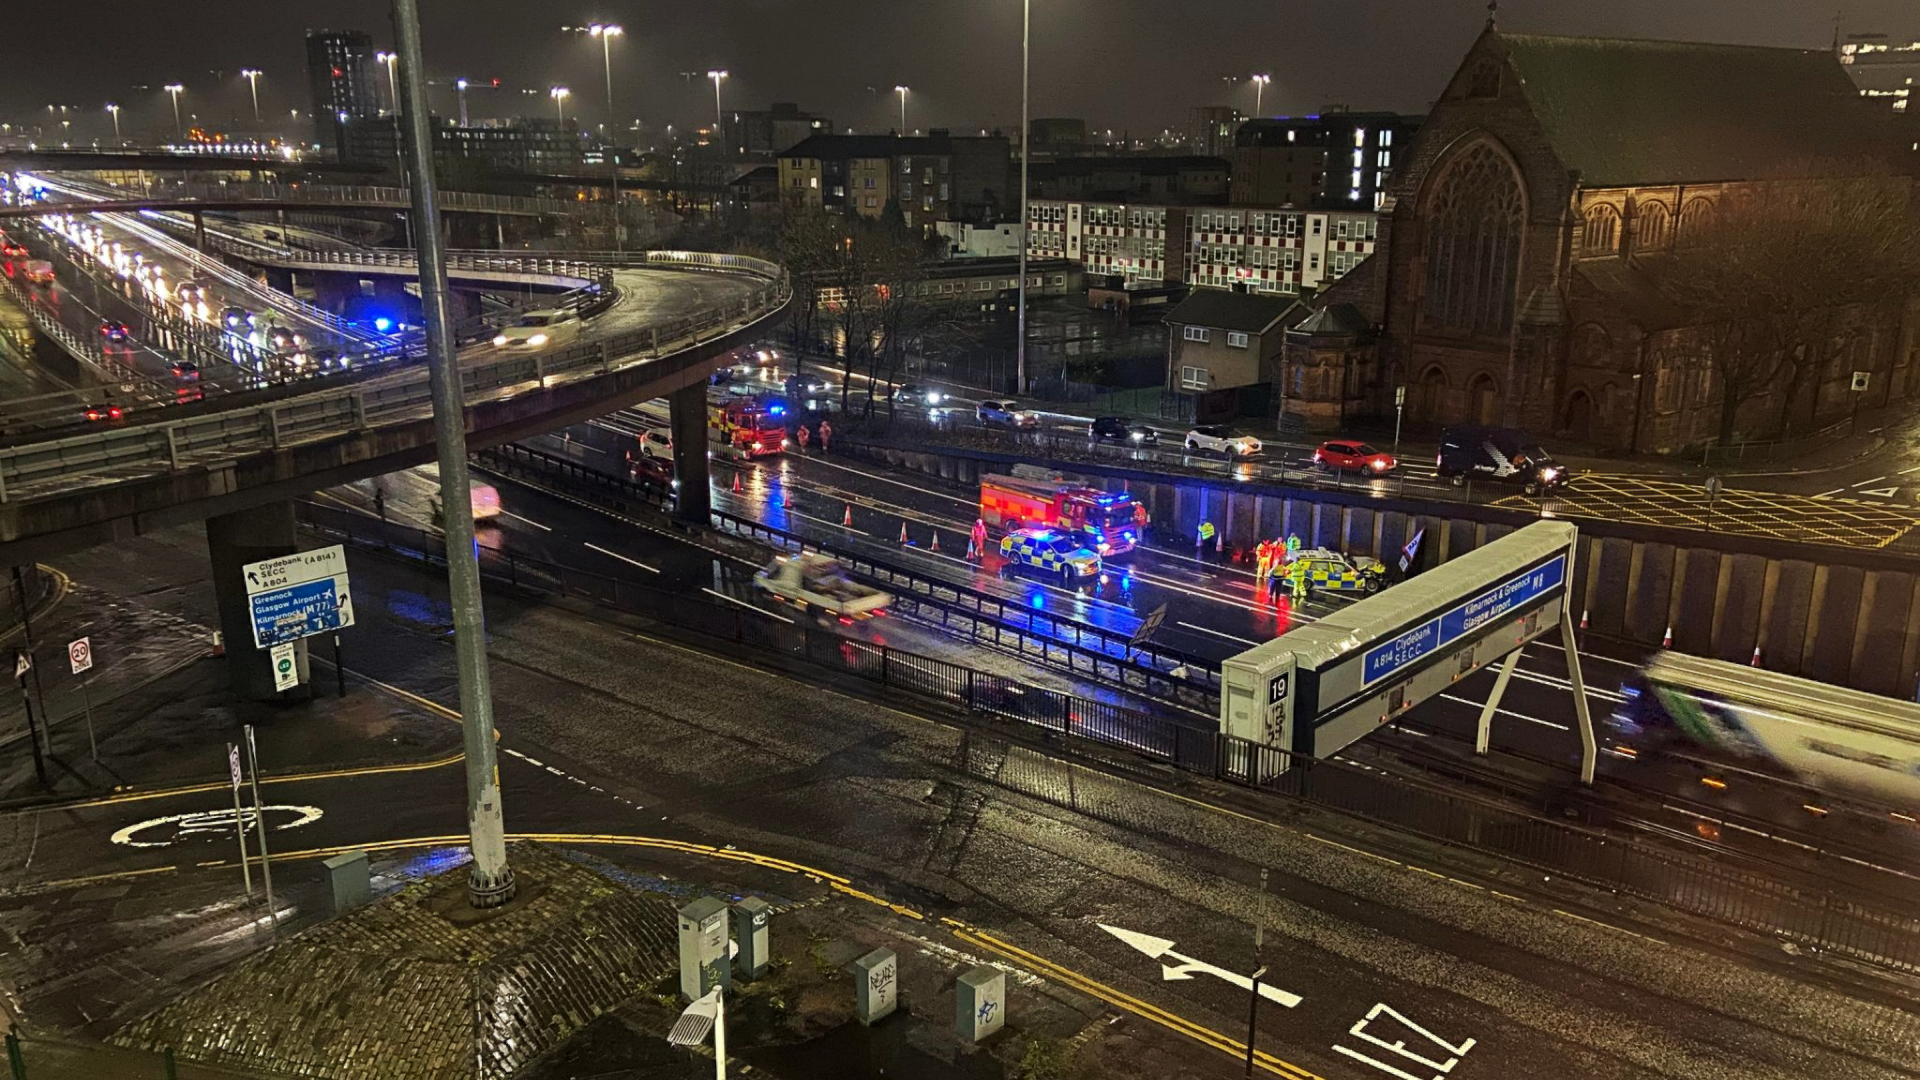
(965, 240)
(1335, 159)
(528, 145)
(765, 132)
(1210, 129)
(1183, 179)
(936, 177)
(340, 84)
(1252, 249)
(1882, 71)
(984, 284)
(1051, 137)
(1219, 340)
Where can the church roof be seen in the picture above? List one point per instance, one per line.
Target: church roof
(1623, 284)
(1627, 112)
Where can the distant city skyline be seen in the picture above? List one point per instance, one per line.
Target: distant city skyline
(1125, 65)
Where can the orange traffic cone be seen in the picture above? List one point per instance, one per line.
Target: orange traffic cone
(972, 552)
(935, 546)
(1667, 641)
(786, 499)
(847, 518)
(1219, 542)
(736, 482)
(1583, 620)
(219, 644)
(1756, 656)
(903, 532)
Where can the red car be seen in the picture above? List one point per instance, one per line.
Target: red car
(1353, 457)
(97, 413)
(13, 249)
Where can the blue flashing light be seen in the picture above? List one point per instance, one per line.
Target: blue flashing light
(1039, 601)
(383, 324)
(777, 410)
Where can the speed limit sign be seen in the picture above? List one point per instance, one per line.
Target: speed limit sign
(80, 655)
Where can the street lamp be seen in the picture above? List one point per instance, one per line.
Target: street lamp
(114, 111)
(175, 89)
(1026, 152)
(252, 75)
(719, 118)
(902, 91)
(1259, 89)
(559, 94)
(393, 84)
(606, 32)
(461, 86)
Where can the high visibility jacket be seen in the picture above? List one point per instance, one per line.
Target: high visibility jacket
(1206, 530)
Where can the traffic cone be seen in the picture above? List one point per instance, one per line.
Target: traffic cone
(786, 499)
(1219, 542)
(935, 546)
(1756, 656)
(972, 552)
(219, 644)
(1583, 620)
(903, 532)
(736, 482)
(1667, 641)
(847, 518)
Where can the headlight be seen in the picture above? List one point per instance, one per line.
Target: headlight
(537, 339)
(499, 339)
(935, 398)
(1136, 436)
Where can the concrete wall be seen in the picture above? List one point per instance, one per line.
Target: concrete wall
(1852, 617)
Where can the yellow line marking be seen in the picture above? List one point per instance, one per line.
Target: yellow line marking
(265, 781)
(1357, 851)
(1607, 926)
(1506, 896)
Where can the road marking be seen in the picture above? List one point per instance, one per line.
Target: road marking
(623, 558)
(1216, 633)
(1864, 483)
(1158, 948)
(1883, 493)
(526, 521)
(757, 609)
(218, 822)
(1829, 494)
(1909, 472)
(1506, 712)
(1399, 1046)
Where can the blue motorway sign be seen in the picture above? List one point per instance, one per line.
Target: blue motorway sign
(303, 610)
(1389, 657)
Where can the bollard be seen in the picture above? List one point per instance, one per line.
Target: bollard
(980, 1003)
(876, 979)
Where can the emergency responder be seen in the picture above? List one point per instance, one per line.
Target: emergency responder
(803, 436)
(977, 543)
(1297, 580)
(1293, 546)
(1202, 539)
(1140, 519)
(1264, 554)
(826, 434)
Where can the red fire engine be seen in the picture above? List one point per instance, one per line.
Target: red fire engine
(748, 428)
(1102, 520)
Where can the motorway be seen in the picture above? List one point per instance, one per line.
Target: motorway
(1395, 958)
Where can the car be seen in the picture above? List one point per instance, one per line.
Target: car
(1502, 455)
(656, 444)
(237, 319)
(1222, 440)
(1005, 412)
(187, 371)
(653, 471)
(1325, 570)
(283, 339)
(1121, 430)
(915, 394)
(1050, 551)
(13, 249)
(107, 412)
(1353, 457)
(803, 387)
(538, 329)
(115, 330)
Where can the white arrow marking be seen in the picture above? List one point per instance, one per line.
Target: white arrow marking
(1157, 948)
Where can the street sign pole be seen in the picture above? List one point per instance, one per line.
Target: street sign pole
(21, 663)
(26, 628)
(86, 699)
(1399, 410)
(80, 659)
(239, 823)
(260, 823)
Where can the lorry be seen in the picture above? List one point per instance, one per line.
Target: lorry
(816, 582)
(748, 428)
(1106, 522)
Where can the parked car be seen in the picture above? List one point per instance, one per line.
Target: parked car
(1005, 412)
(1502, 455)
(1222, 440)
(1353, 457)
(1121, 430)
(916, 394)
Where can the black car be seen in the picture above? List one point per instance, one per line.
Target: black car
(114, 330)
(915, 394)
(805, 387)
(1502, 455)
(1121, 430)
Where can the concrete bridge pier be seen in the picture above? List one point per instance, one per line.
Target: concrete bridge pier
(687, 420)
(233, 541)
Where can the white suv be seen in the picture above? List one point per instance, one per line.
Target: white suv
(538, 329)
(1222, 440)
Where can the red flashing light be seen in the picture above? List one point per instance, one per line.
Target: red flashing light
(337, 73)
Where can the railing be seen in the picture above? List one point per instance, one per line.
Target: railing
(1745, 451)
(400, 395)
(342, 195)
(1006, 623)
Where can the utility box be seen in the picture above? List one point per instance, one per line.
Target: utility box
(349, 881)
(876, 986)
(750, 918)
(703, 948)
(980, 1002)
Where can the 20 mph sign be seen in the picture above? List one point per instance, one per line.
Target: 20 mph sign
(80, 655)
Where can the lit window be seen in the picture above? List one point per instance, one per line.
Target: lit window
(1386, 138)
(1357, 158)
(1359, 136)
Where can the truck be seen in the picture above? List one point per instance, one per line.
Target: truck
(818, 583)
(748, 428)
(1104, 521)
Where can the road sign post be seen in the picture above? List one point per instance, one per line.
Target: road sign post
(1399, 410)
(260, 823)
(239, 822)
(1714, 487)
(23, 663)
(299, 595)
(80, 658)
(1861, 380)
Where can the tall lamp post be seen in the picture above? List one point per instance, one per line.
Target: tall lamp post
(719, 118)
(393, 87)
(1026, 152)
(489, 879)
(460, 85)
(174, 90)
(252, 75)
(114, 111)
(559, 94)
(1259, 90)
(606, 33)
(902, 91)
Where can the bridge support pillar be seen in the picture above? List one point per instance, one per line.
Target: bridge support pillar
(687, 417)
(234, 540)
(199, 232)
(279, 279)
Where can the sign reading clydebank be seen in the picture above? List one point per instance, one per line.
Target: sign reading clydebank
(1370, 663)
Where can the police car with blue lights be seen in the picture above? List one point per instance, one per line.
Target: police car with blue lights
(1052, 552)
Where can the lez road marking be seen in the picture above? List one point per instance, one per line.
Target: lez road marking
(1399, 1046)
(1161, 949)
(209, 823)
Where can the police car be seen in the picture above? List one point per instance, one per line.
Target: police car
(1050, 551)
(1322, 570)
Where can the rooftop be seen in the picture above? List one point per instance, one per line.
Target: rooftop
(1221, 309)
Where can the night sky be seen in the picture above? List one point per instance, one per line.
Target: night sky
(1137, 64)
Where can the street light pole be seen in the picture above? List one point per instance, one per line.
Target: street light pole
(393, 87)
(461, 86)
(490, 879)
(1026, 152)
(559, 95)
(1259, 91)
(606, 34)
(902, 91)
(252, 76)
(114, 110)
(173, 91)
(719, 117)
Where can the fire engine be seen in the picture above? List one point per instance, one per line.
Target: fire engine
(1102, 520)
(749, 428)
